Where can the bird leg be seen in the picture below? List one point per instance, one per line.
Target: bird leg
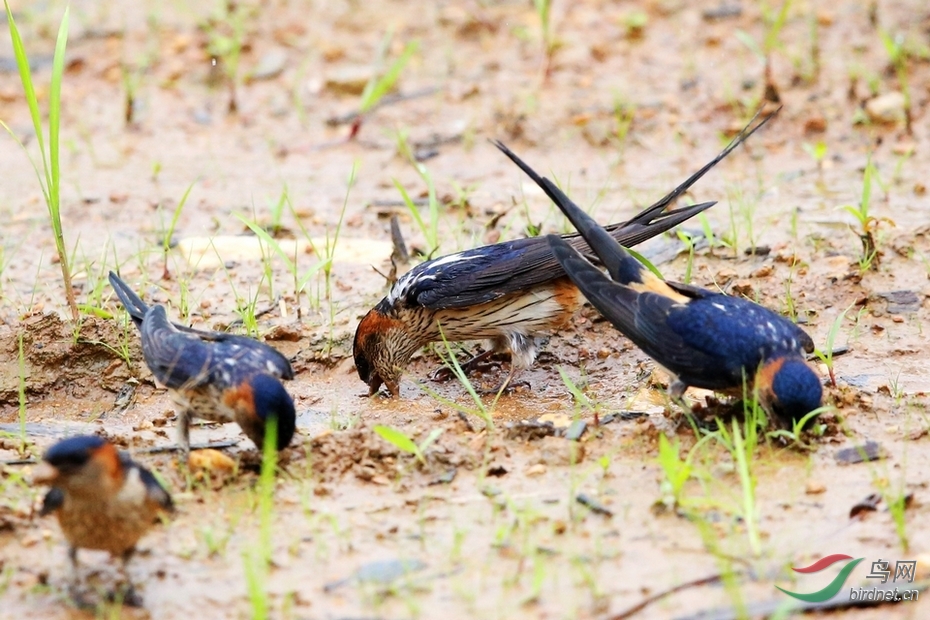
(184, 434)
(74, 584)
(128, 593)
(444, 373)
(676, 392)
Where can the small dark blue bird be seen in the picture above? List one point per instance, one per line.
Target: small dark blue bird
(701, 338)
(103, 500)
(212, 375)
(513, 293)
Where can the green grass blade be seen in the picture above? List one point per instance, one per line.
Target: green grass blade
(646, 263)
(54, 120)
(262, 234)
(25, 74)
(381, 86)
(399, 439)
(176, 216)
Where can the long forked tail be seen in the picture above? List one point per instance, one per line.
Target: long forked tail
(132, 302)
(646, 215)
(621, 266)
(652, 221)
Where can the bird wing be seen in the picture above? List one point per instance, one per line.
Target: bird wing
(483, 274)
(478, 276)
(154, 491)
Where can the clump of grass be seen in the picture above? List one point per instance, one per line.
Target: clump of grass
(868, 224)
(329, 252)
(897, 57)
(774, 20)
(50, 177)
(578, 396)
(795, 436)
(225, 32)
(688, 240)
(550, 43)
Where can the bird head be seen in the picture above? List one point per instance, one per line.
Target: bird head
(83, 465)
(271, 400)
(789, 388)
(382, 349)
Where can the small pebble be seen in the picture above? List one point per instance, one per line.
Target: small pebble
(887, 108)
(814, 487)
(537, 470)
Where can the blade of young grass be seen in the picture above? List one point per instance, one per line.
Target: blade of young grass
(51, 184)
(400, 440)
(377, 87)
(166, 242)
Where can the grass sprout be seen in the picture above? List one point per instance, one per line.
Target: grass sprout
(381, 84)
(169, 231)
(676, 471)
(825, 355)
(868, 224)
(429, 227)
(402, 441)
(50, 177)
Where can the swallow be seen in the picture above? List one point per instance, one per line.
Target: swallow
(512, 293)
(701, 338)
(213, 375)
(103, 500)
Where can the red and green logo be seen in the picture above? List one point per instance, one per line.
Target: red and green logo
(834, 586)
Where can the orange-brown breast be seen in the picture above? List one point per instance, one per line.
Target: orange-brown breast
(240, 398)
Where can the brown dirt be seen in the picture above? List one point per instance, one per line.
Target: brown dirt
(489, 526)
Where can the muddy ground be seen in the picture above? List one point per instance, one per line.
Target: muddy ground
(634, 98)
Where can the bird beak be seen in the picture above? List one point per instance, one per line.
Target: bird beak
(44, 473)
